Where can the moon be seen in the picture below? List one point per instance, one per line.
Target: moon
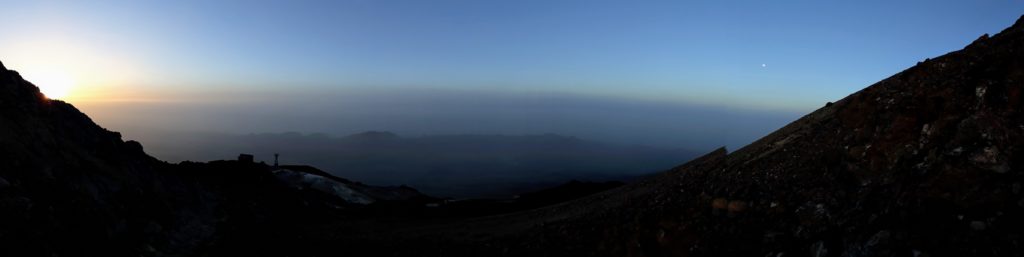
(764, 65)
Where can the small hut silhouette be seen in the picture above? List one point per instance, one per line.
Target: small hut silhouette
(245, 158)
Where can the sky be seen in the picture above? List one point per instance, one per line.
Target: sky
(690, 74)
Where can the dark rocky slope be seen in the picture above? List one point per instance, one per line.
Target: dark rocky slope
(64, 180)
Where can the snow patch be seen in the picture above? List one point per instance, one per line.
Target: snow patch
(305, 180)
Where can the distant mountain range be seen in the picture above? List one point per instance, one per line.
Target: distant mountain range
(460, 166)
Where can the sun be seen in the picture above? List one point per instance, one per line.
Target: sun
(53, 84)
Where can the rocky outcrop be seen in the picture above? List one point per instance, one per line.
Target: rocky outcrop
(69, 181)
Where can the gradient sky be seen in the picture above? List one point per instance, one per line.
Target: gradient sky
(783, 56)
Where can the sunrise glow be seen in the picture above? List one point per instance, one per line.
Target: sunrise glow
(53, 84)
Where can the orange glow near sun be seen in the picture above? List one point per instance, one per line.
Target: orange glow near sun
(72, 69)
